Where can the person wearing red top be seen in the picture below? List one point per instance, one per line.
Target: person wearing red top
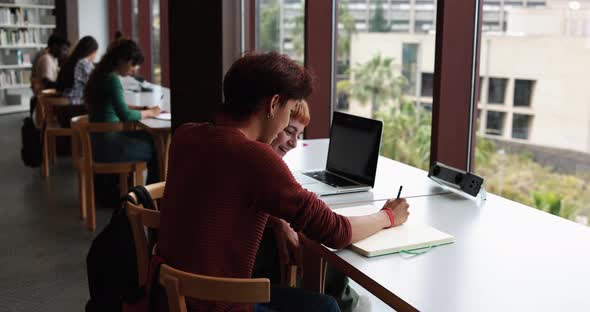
(224, 181)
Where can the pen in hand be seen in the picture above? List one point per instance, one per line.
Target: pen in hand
(399, 193)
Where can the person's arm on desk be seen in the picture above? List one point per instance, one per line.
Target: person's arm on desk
(150, 112)
(365, 226)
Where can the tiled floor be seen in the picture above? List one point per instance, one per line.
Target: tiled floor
(43, 243)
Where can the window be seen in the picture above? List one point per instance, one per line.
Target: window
(381, 73)
(521, 126)
(409, 65)
(495, 123)
(281, 27)
(540, 153)
(523, 90)
(497, 90)
(157, 66)
(427, 81)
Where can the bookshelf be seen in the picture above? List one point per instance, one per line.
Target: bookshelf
(25, 26)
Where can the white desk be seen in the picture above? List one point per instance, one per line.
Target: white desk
(506, 257)
(312, 154)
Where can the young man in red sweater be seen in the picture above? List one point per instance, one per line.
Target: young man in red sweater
(224, 180)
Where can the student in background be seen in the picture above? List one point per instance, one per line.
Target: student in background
(280, 243)
(46, 64)
(106, 103)
(224, 181)
(73, 77)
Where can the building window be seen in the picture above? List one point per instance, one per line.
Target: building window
(481, 81)
(495, 123)
(427, 82)
(497, 90)
(523, 90)
(521, 125)
(409, 65)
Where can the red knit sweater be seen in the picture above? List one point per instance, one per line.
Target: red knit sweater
(221, 188)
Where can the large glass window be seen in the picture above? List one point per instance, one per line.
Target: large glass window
(536, 148)
(281, 27)
(155, 31)
(385, 63)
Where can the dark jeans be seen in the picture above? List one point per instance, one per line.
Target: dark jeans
(127, 146)
(267, 265)
(64, 114)
(286, 299)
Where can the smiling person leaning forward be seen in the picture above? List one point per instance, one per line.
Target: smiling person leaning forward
(224, 181)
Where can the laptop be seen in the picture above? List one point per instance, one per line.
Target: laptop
(352, 157)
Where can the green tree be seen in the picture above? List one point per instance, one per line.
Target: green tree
(406, 134)
(377, 23)
(269, 31)
(553, 204)
(377, 82)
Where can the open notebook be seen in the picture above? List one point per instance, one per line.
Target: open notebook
(409, 236)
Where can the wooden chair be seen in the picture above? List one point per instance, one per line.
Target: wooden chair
(141, 218)
(180, 284)
(89, 167)
(47, 101)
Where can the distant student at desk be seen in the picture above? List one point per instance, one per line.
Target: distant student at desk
(280, 243)
(106, 103)
(73, 77)
(224, 181)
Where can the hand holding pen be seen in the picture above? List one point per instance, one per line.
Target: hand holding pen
(397, 210)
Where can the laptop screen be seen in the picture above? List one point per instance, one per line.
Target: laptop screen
(354, 147)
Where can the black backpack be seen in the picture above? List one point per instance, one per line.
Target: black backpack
(30, 152)
(112, 263)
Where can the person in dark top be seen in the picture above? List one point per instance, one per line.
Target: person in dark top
(72, 79)
(225, 180)
(106, 103)
(280, 244)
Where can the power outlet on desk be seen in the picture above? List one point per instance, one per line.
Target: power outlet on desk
(456, 178)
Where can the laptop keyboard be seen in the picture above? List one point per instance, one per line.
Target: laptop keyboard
(330, 179)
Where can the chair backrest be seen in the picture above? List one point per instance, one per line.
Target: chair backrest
(77, 152)
(46, 105)
(139, 219)
(83, 129)
(179, 284)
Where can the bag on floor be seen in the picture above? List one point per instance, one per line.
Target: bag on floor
(30, 151)
(112, 263)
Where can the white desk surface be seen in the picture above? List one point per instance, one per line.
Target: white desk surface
(506, 257)
(312, 154)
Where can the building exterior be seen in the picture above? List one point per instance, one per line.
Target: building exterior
(529, 97)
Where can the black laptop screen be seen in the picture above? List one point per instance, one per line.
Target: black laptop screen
(354, 147)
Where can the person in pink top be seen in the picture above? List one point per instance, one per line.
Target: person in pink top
(224, 181)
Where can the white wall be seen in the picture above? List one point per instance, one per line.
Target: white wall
(93, 19)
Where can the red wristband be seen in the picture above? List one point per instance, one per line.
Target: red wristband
(390, 215)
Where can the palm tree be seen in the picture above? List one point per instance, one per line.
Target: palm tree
(377, 81)
(406, 134)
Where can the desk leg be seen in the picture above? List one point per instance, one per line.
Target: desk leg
(162, 144)
(314, 269)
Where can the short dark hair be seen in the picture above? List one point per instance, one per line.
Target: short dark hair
(256, 76)
(57, 39)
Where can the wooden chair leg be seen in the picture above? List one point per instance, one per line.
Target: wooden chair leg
(45, 155)
(52, 149)
(82, 193)
(90, 207)
(123, 184)
(138, 174)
